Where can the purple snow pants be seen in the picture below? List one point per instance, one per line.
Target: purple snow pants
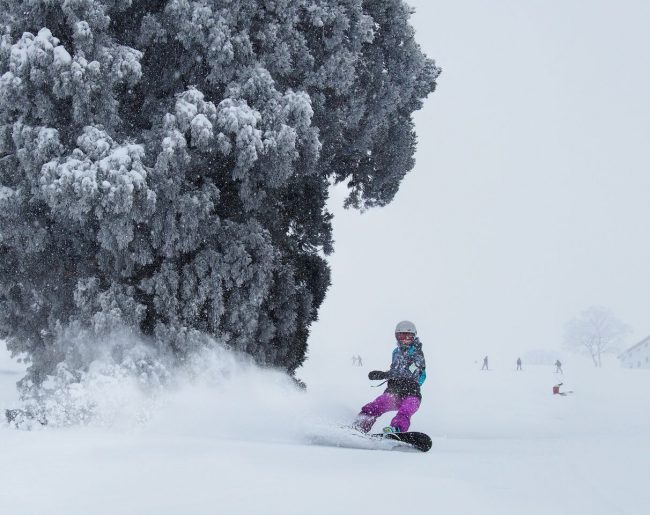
(388, 402)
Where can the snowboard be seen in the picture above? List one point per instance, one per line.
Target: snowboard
(351, 438)
(420, 441)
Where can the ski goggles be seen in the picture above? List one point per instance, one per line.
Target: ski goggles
(404, 337)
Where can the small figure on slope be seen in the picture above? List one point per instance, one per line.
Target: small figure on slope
(406, 375)
(556, 390)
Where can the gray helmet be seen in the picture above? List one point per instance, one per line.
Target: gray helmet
(406, 327)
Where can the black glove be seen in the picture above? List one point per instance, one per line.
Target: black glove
(377, 374)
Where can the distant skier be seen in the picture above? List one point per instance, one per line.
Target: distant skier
(359, 361)
(558, 367)
(485, 363)
(519, 364)
(406, 375)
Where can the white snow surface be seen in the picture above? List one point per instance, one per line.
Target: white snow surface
(237, 439)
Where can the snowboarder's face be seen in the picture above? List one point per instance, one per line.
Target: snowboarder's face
(404, 339)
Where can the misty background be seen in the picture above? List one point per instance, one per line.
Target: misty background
(529, 199)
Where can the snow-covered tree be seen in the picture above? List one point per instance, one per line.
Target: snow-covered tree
(595, 332)
(165, 164)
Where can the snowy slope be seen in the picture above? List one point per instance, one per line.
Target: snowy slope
(502, 444)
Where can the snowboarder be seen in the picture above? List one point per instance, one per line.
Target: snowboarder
(405, 377)
(556, 390)
(558, 367)
(485, 363)
(518, 363)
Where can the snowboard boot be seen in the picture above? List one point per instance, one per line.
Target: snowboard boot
(391, 429)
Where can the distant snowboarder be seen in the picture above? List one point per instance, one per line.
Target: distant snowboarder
(485, 364)
(359, 361)
(558, 367)
(406, 375)
(519, 364)
(556, 390)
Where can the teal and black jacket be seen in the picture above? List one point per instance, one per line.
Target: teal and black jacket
(407, 370)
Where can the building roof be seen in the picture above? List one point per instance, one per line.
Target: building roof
(642, 342)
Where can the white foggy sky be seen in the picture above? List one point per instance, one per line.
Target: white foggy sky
(530, 199)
